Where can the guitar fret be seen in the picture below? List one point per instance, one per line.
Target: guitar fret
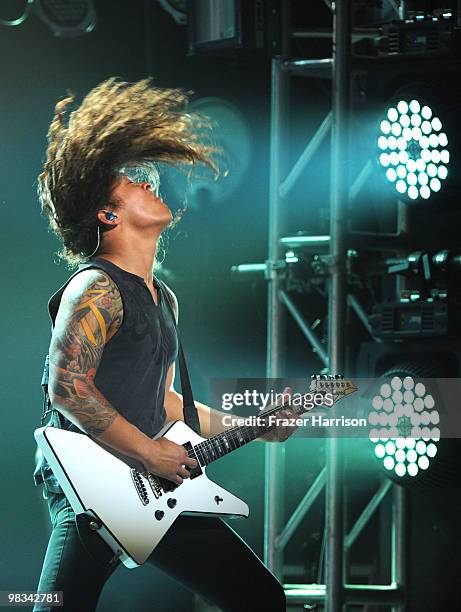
(230, 440)
(199, 454)
(221, 450)
(216, 446)
(212, 448)
(209, 451)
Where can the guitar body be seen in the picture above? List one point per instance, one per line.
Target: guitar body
(132, 510)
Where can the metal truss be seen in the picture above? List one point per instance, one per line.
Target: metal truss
(334, 594)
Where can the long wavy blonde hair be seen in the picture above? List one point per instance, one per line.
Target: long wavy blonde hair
(116, 124)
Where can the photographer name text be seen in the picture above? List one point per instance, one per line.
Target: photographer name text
(277, 421)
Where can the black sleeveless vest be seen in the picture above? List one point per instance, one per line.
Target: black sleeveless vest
(135, 361)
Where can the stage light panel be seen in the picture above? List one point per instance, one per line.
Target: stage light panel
(405, 440)
(411, 135)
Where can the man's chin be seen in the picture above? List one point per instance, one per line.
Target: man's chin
(166, 220)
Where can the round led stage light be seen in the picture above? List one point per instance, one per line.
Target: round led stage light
(404, 427)
(411, 131)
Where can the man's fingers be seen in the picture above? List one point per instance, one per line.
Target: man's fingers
(183, 472)
(287, 414)
(178, 480)
(285, 430)
(285, 398)
(190, 462)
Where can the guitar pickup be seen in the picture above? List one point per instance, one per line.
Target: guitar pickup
(155, 485)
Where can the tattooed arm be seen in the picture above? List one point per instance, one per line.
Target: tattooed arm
(90, 313)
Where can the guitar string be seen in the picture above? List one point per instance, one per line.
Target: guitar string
(245, 429)
(208, 446)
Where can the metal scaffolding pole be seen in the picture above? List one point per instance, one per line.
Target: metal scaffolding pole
(309, 334)
(337, 294)
(274, 500)
(400, 544)
(275, 453)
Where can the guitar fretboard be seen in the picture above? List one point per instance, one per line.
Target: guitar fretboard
(227, 441)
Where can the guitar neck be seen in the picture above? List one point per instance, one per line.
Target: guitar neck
(227, 441)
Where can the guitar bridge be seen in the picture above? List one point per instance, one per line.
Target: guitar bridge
(140, 486)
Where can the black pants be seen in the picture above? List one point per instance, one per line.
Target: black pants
(223, 568)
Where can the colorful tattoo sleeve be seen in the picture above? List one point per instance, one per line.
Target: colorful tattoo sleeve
(90, 312)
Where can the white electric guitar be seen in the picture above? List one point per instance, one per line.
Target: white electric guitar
(132, 510)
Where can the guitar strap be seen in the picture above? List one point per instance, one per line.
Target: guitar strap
(189, 409)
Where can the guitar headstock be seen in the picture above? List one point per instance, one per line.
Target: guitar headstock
(335, 384)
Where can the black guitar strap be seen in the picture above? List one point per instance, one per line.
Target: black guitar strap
(189, 409)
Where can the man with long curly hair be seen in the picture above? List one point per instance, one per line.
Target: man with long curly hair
(114, 339)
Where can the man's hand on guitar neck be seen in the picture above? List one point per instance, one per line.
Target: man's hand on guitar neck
(282, 432)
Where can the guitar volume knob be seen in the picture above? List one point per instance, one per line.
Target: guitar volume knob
(159, 514)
